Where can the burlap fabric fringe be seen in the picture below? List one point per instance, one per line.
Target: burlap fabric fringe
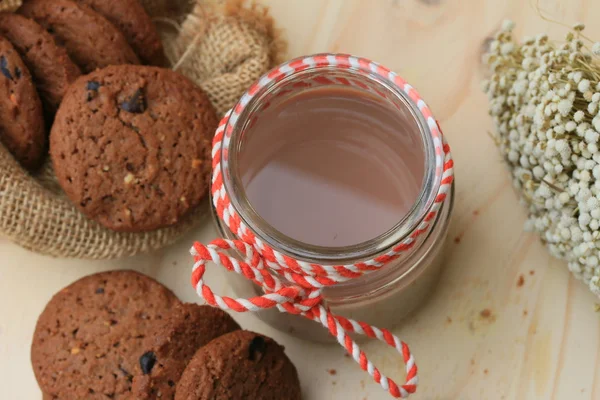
(223, 46)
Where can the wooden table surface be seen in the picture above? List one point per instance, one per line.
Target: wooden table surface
(541, 339)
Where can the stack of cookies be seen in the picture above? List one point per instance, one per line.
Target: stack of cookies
(130, 144)
(122, 335)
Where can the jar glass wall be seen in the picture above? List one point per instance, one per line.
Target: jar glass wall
(383, 297)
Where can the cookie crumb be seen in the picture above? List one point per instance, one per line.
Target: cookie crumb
(332, 372)
(486, 313)
(126, 373)
(196, 163)
(521, 281)
(525, 312)
(532, 272)
(128, 178)
(485, 371)
(476, 212)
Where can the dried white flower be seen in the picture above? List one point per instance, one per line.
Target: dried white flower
(565, 106)
(508, 25)
(507, 48)
(545, 104)
(583, 86)
(591, 136)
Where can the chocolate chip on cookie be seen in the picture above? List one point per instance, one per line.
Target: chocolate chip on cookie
(186, 329)
(49, 64)
(21, 117)
(239, 365)
(90, 39)
(131, 146)
(89, 339)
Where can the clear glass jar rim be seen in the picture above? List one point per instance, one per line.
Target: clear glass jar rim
(330, 255)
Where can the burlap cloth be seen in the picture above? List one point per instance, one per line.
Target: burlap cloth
(223, 46)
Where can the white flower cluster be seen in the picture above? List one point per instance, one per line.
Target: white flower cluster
(545, 103)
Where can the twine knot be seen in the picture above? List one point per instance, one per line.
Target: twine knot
(299, 298)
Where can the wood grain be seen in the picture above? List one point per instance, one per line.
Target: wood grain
(538, 340)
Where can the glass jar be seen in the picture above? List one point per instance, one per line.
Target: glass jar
(381, 298)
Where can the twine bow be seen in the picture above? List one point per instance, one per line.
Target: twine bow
(295, 286)
(301, 299)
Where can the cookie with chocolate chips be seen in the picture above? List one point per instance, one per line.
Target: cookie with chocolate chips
(21, 117)
(137, 26)
(90, 39)
(239, 365)
(131, 146)
(89, 340)
(49, 64)
(186, 329)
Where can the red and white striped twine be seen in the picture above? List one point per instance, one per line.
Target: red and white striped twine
(301, 292)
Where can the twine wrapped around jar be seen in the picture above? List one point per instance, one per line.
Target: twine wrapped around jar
(295, 285)
(223, 46)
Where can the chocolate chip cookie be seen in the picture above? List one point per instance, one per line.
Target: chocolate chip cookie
(90, 39)
(139, 30)
(21, 118)
(239, 365)
(188, 327)
(49, 64)
(88, 342)
(130, 146)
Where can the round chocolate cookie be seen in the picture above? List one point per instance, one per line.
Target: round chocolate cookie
(49, 64)
(88, 342)
(188, 327)
(21, 118)
(130, 146)
(90, 39)
(137, 26)
(239, 365)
